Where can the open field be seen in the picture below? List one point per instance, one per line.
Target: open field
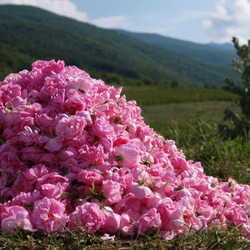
(155, 95)
(166, 116)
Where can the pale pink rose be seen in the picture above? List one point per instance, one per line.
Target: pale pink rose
(32, 153)
(27, 136)
(54, 144)
(140, 174)
(10, 163)
(14, 78)
(70, 127)
(171, 215)
(151, 219)
(112, 221)
(10, 118)
(168, 235)
(58, 184)
(127, 221)
(108, 237)
(48, 67)
(217, 198)
(83, 84)
(49, 215)
(57, 98)
(26, 199)
(9, 92)
(236, 215)
(204, 212)
(96, 154)
(104, 131)
(67, 153)
(127, 155)
(48, 159)
(45, 118)
(120, 140)
(15, 217)
(111, 191)
(36, 172)
(141, 192)
(171, 149)
(122, 176)
(10, 168)
(242, 195)
(87, 216)
(74, 165)
(90, 177)
(246, 229)
(53, 190)
(72, 105)
(153, 201)
(26, 180)
(128, 202)
(179, 164)
(22, 184)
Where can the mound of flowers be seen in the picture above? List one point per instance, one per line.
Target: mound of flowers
(76, 155)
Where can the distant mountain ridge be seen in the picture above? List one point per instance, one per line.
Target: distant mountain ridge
(225, 46)
(211, 52)
(29, 33)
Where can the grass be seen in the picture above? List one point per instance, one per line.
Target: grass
(155, 95)
(214, 238)
(165, 116)
(193, 124)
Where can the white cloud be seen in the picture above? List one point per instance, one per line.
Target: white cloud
(60, 7)
(121, 22)
(229, 18)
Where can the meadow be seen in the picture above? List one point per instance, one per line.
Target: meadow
(191, 118)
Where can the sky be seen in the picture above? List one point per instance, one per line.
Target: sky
(199, 21)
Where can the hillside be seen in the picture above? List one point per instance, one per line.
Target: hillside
(211, 52)
(224, 46)
(29, 33)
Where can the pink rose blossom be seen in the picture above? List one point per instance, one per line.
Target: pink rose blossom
(151, 219)
(70, 126)
(111, 191)
(90, 177)
(49, 215)
(112, 221)
(105, 132)
(108, 237)
(15, 217)
(127, 155)
(87, 216)
(141, 192)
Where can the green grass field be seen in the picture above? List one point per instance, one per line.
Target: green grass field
(155, 95)
(191, 118)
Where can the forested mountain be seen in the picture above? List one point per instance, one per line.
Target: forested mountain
(225, 46)
(29, 33)
(211, 52)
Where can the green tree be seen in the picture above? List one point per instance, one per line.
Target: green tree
(242, 66)
(240, 123)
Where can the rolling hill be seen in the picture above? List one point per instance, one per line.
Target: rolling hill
(29, 33)
(211, 52)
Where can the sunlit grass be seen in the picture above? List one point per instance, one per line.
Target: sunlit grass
(155, 95)
(212, 238)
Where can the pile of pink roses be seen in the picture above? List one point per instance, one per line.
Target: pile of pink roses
(75, 154)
